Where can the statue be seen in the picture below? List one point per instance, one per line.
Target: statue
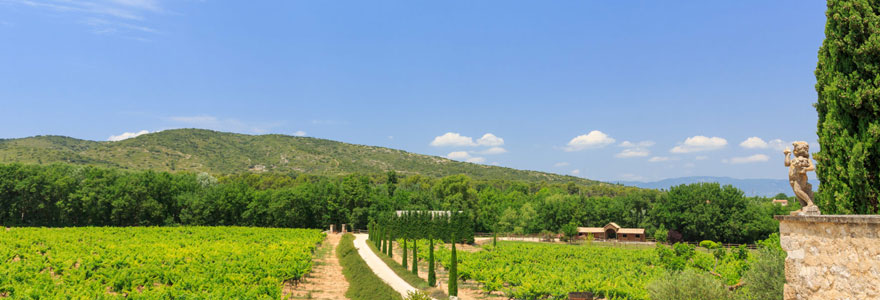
(797, 177)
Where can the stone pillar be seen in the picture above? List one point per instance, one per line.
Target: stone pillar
(332, 228)
(831, 257)
(343, 229)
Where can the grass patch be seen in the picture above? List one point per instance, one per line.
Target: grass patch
(362, 282)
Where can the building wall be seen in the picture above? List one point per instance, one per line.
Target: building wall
(629, 237)
(831, 257)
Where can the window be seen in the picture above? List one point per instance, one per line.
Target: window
(638, 235)
(624, 235)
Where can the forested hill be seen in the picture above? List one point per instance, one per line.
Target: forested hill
(229, 153)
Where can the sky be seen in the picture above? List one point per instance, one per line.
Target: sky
(606, 90)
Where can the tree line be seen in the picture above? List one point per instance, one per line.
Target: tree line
(68, 195)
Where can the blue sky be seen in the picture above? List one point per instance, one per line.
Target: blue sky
(600, 89)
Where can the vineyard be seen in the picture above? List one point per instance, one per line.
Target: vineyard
(535, 270)
(152, 262)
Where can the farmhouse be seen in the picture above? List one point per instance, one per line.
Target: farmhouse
(782, 202)
(613, 231)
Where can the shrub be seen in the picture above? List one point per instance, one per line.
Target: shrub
(766, 274)
(688, 284)
(661, 234)
(411, 295)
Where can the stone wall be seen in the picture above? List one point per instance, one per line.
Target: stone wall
(831, 257)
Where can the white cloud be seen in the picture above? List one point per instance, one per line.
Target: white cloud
(458, 155)
(576, 172)
(758, 143)
(476, 160)
(390, 137)
(561, 164)
(778, 144)
(452, 139)
(299, 133)
(690, 165)
(490, 140)
(659, 158)
(594, 139)
(494, 150)
(495, 163)
(700, 143)
(701, 157)
(465, 156)
(639, 149)
(748, 159)
(753, 143)
(458, 140)
(635, 152)
(126, 135)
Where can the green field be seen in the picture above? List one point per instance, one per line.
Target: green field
(526, 270)
(152, 262)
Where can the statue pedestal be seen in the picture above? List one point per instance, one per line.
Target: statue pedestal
(831, 256)
(811, 210)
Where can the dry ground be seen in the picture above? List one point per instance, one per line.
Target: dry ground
(326, 280)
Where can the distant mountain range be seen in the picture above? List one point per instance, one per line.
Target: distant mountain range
(200, 150)
(751, 187)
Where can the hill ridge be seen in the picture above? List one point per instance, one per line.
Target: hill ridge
(204, 150)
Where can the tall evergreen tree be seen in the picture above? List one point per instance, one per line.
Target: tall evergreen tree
(849, 109)
(432, 276)
(403, 261)
(453, 271)
(415, 262)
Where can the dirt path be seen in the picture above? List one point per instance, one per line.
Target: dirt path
(326, 280)
(380, 268)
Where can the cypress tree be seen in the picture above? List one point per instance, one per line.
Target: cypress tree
(390, 244)
(415, 262)
(453, 271)
(494, 240)
(403, 261)
(849, 109)
(432, 277)
(380, 241)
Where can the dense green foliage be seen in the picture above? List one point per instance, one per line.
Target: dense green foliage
(198, 150)
(152, 263)
(849, 109)
(762, 275)
(526, 270)
(69, 195)
(362, 282)
(708, 211)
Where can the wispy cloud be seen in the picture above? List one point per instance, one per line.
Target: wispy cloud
(126, 135)
(224, 124)
(125, 18)
(639, 149)
(747, 159)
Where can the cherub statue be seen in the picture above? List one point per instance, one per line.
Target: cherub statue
(797, 176)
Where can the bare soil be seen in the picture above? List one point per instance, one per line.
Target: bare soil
(326, 280)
